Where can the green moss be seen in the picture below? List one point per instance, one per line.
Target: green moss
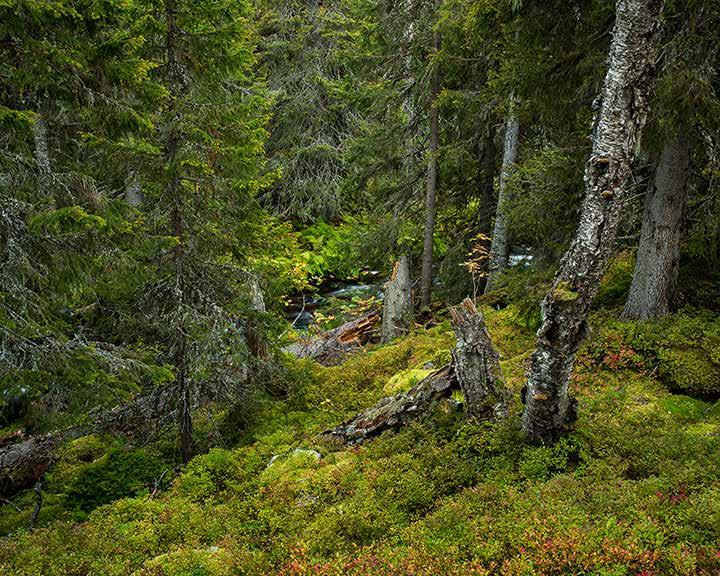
(634, 488)
(117, 474)
(689, 371)
(404, 380)
(563, 292)
(684, 349)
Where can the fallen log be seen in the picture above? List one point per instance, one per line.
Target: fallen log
(24, 462)
(332, 346)
(395, 411)
(475, 370)
(477, 364)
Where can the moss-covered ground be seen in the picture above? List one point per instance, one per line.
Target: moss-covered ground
(634, 489)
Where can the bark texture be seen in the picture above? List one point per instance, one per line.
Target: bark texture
(398, 313)
(257, 344)
(394, 411)
(654, 283)
(625, 103)
(331, 347)
(477, 364)
(432, 177)
(486, 192)
(500, 247)
(42, 154)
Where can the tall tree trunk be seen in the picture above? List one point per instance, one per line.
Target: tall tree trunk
(652, 291)
(486, 192)
(257, 343)
(625, 104)
(427, 257)
(173, 194)
(500, 247)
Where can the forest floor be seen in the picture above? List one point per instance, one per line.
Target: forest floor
(634, 489)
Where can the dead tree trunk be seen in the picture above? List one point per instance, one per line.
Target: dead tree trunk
(625, 103)
(42, 154)
(475, 370)
(133, 190)
(257, 344)
(24, 462)
(652, 292)
(477, 364)
(332, 346)
(500, 247)
(432, 176)
(394, 411)
(398, 313)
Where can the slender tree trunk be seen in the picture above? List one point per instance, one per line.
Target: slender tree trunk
(173, 195)
(257, 342)
(133, 190)
(652, 291)
(625, 104)
(427, 257)
(42, 154)
(500, 247)
(486, 192)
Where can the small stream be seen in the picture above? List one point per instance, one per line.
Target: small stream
(302, 307)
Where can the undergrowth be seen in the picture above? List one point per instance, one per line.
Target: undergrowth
(633, 490)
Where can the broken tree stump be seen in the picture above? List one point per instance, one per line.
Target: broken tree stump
(475, 370)
(477, 364)
(398, 311)
(395, 411)
(332, 346)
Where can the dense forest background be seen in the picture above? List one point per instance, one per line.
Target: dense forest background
(200, 205)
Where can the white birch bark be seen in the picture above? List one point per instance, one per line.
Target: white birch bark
(625, 105)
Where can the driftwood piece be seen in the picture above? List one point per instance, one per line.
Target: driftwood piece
(398, 311)
(477, 364)
(331, 347)
(395, 411)
(24, 463)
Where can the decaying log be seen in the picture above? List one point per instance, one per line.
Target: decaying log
(475, 370)
(398, 311)
(477, 364)
(395, 411)
(25, 462)
(331, 347)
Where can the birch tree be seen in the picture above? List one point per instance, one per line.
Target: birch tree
(625, 103)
